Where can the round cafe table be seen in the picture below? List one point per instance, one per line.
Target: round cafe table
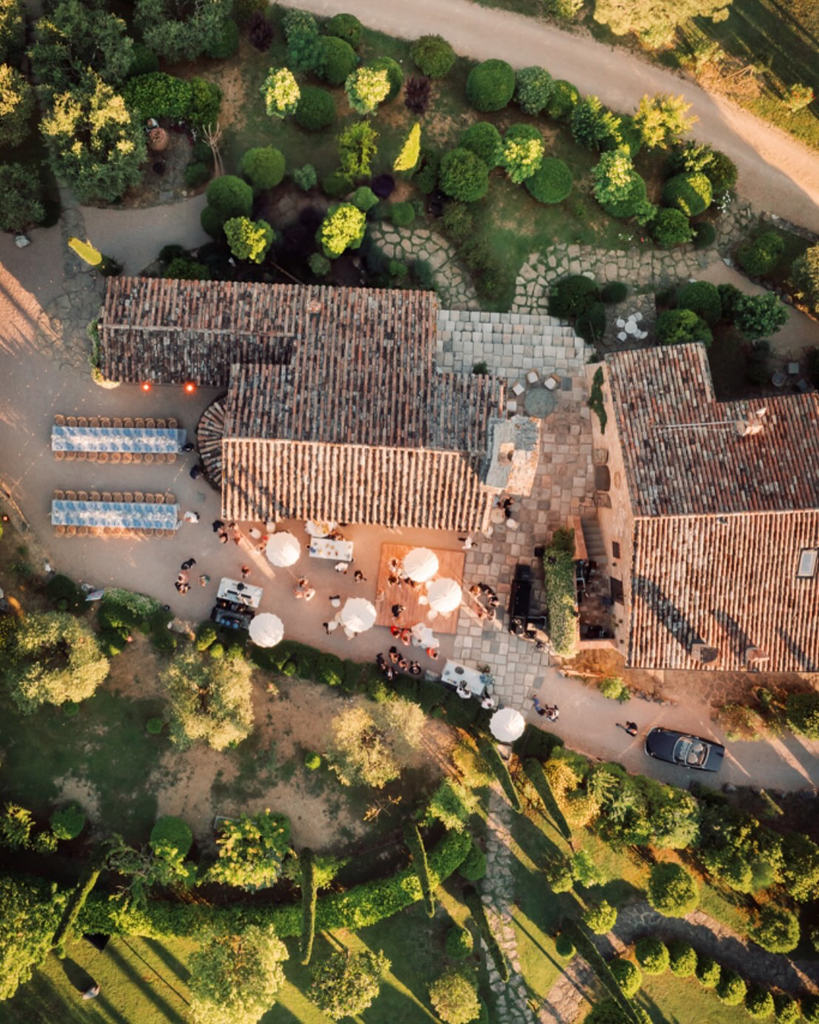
(631, 327)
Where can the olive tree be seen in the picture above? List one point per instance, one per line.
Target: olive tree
(56, 659)
(251, 850)
(454, 996)
(371, 745)
(346, 984)
(210, 699)
(235, 978)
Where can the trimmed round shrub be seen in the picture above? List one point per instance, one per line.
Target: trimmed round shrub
(721, 172)
(319, 264)
(229, 197)
(562, 100)
(681, 326)
(786, 1009)
(433, 56)
(490, 85)
(217, 652)
(759, 1002)
(338, 60)
(364, 198)
(205, 636)
(551, 183)
(473, 866)
(463, 176)
(600, 918)
(705, 234)
(652, 955)
(335, 185)
(591, 325)
(457, 221)
(762, 254)
(533, 86)
(682, 958)
(346, 27)
(312, 762)
(459, 942)
(173, 832)
(670, 228)
(730, 988)
(182, 268)
(559, 875)
(691, 193)
(395, 76)
(573, 296)
(212, 223)
(672, 890)
(68, 822)
(775, 929)
(564, 947)
(154, 726)
(197, 174)
(61, 588)
(614, 291)
(224, 42)
(263, 166)
(703, 298)
(522, 152)
(627, 975)
(316, 110)
(708, 971)
(484, 140)
(402, 214)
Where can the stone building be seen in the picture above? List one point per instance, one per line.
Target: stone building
(332, 404)
(709, 513)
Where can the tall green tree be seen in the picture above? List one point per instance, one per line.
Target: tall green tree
(78, 36)
(655, 21)
(56, 659)
(31, 914)
(12, 31)
(210, 699)
(180, 30)
(371, 745)
(21, 197)
(94, 142)
(235, 978)
(16, 106)
(251, 850)
(346, 984)
(592, 124)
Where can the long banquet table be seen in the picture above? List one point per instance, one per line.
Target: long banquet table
(159, 440)
(115, 515)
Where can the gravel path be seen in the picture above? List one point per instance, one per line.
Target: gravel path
(777, 173)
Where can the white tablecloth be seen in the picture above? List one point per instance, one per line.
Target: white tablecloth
(337, 550)
(455, 673)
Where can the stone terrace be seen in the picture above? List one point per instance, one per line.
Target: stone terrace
(512, 345)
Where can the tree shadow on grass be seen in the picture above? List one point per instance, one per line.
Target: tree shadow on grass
(168, 959)
(128, 971)
(77, 976)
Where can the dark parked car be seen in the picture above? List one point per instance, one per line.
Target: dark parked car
(685, 750)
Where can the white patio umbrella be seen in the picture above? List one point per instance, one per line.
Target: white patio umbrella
(444, 595)
(507, 725)
(283, 549)
(357, 615)
(266, 630)
(420, 564)
(319, 527)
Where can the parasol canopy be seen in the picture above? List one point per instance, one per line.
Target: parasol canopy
(319, 527)
(444, 595)
(266, 630)
(420, 564)
(357, 615)
(283, 549)
(507, 725)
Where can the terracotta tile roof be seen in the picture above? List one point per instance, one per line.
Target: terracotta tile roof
(681, 449)
(379, 397)
(728, 582)
(353, 484)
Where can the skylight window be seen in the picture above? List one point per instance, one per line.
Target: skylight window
(807, 564)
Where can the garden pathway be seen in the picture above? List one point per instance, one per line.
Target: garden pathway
(776, 171)
(498, 889)
(409, 244)
(566, 997)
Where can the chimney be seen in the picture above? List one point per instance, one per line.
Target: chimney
(703, 653)
(754, 656)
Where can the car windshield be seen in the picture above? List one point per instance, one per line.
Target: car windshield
(691, 751)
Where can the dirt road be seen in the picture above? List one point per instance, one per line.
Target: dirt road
(777, 173)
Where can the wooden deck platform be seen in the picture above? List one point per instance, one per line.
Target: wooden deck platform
(450, 565)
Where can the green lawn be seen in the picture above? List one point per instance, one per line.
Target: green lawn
(672, 1000)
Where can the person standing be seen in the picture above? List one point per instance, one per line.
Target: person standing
(189, 563)
(629, 727)
(359, 577)
(538, 706)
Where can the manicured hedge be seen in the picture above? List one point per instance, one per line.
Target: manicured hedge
(358, 907)
(490, 85)
(484, 140)
(433, 56)
(537, 776)
(160, 95)
(689, 193)
(316, 110)
(415, 845)
(309, 894)
(476, 909)
(489, 752)
(561, 599)
(551, 183)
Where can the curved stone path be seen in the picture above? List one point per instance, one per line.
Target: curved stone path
(565, 999)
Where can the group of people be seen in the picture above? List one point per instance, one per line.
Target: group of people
(488, 702)
(486, 601)
(303, 591)
(183, 577)
(396, 661)
(226, 531)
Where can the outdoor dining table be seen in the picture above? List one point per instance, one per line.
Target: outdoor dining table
(160, 440)
(115, 515)
(338, 550)
(455, 673)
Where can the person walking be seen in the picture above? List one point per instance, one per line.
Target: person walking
(629, 727)
(397, 611)
(553, 713)
(538, 706)
(245, 571)
(191, 517)
(92, 992)
(217, 525)
(359, 577)
(188, 563)
(204, 580)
